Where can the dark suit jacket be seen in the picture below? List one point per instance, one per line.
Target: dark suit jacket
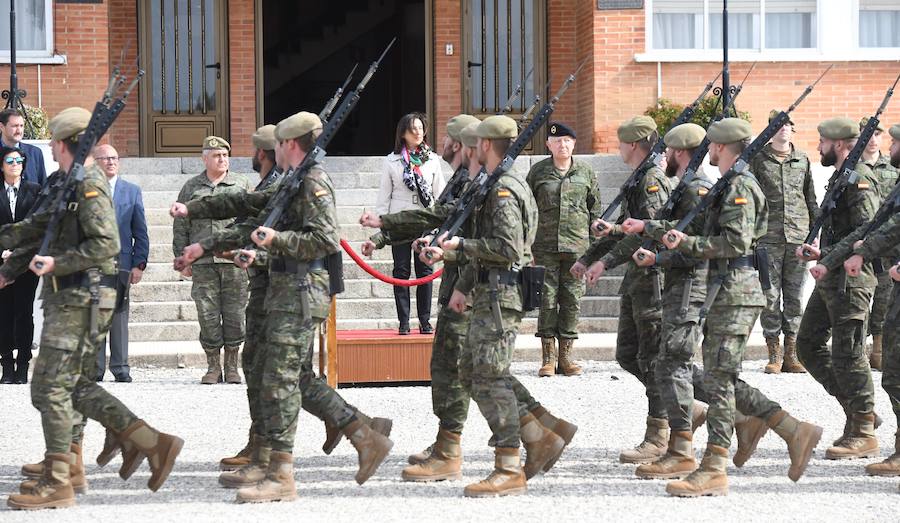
(132, 225)
(35, 171)
(28, 192)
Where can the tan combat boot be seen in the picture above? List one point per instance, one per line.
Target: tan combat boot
(333, 434)
(791, 362)
(111, 447)
(507, 478)
(698, 415)
(251, 473)
(371, 446)
(801, 439)
(677, 463)
(214, 369)
(566, 365)
(541, 445)
(33, 470)
(76, 474)
(243, 457)
(708, 480)
(231, 365)
(875, 357)
(159, 448)
(860, 443)
(52, 490)
(548, 357)
(278, 484)
(775, 356)
(559, 426)
(444, 463)
(653, 447)
(890, 466)
(748, 430)
(847, 423)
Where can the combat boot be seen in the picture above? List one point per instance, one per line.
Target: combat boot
(52, 490)
(159, 448)
(801, 439)
(444, 463)
(507, 478)
(890, 466)
(33, 470)
(748, 430)
(860, 443)
(775, 356)
(566, 365)
(791, 362)
(653, 447)
(251, 473)
(559, 426)
(875, 357)
(76, 474)
(541, 445)
(677, 462)
(232, 375)
(278, 484)
(333, 434)
(548, 357)
(708, 480)
(111, 447)
(847, 423)
(371, 446)
(214, 369)
(698, 415)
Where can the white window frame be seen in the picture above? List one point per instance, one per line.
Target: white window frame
(36, 56)
(834, 43)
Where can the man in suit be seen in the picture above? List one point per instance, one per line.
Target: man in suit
(16, 300)
(12, 130)
(132, 260)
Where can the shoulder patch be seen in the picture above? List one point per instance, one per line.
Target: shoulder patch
(503, 193)
(652, 189)
(862, 185)
(91, 194)
(740, 201)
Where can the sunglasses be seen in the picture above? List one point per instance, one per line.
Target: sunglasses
(14, 159)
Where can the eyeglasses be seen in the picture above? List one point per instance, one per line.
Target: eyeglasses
(14, 159)
(107, 158)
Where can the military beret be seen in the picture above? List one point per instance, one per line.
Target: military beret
(560, 129)
(684, 136)
(497, 127)
(774, 112)
(68, 123)
(895, 132)
(264, 138)
(456, 124)
(839, 128)
(469, 135)
(636, 129)
(297, 125)
(729, 130)
(865, 119)
(214, 142)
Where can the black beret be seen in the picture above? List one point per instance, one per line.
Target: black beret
(560, 129)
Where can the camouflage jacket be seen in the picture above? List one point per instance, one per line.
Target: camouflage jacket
(789, 189)
(189, 230)
(567, 205)
(885, 173)
(883, 242)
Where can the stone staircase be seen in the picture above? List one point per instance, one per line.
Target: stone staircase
(161, 306)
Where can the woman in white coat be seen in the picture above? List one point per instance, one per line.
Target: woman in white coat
(411, 178)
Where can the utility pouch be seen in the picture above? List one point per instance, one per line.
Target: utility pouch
(334, 264)
(532, 277)
(762, 265)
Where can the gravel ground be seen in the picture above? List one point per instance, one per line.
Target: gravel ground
(587, 482)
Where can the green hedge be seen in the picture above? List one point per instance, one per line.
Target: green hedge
(667, 111)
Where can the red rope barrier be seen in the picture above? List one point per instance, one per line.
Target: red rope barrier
(388, 279)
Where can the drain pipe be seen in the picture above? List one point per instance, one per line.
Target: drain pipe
(658, 83)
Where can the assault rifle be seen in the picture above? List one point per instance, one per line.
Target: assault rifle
(332, 103)
(845, 176)
(507, 107)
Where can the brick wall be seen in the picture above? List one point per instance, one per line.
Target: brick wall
(125, 135)
(448, 70)
(242, 75)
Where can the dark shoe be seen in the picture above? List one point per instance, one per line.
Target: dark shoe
(21, 377)
(9, 373)
(123, 378)
(404, 330)
(426, 328)
(98, 378)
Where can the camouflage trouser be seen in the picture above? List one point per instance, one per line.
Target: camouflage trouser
(220, 293)
(882, 299)
(724, 341)
(787, 273)
(561, 302)
(63, 389)
(844, 369)
(890, 360)
(637, 344)
(253, 345)
(449, 398)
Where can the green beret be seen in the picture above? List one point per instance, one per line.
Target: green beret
(264, 138)
(636, 129)
(839, 128)
(865, 120)
(497, 127)
(214, 142)
(469, 134)
(895, 132)
(729, 130)
(68, 123)
(297, 125)
(456, 124)
(774, 112)
(684, 136)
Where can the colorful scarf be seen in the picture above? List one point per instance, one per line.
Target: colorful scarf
(412, 173)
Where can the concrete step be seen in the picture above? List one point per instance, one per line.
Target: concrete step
(173, 291)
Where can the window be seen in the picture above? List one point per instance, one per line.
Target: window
(34, 29)
(879, 23)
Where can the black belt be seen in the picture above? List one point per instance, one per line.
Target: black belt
(293, 266)
(743, 262)
(507, 276)
(81, 279)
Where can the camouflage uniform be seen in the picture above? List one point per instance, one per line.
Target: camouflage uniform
(567, 203)
(788, 185)
(219, 289)
(887, 179)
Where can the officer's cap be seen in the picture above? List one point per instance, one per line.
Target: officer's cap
(729, 130)
(497, 127)
(297, 125)
(459, 122)
(840, 128)
(560, 129)
(264, 138)
(865, 119)
(214, 142)
(68, 123)
(469, 134)
(636, 129)
(684, 136)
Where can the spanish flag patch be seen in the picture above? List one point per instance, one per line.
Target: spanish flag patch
(703, 191)
(320, 193)
(91, 194)
(503, 193)
(862, 185)
(652, 189)
(740, 201)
